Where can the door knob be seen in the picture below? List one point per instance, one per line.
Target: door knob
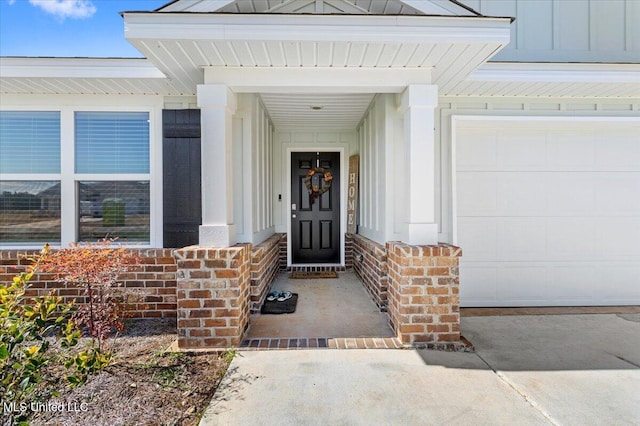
(293, 216)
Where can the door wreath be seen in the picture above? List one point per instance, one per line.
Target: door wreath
(316, 191)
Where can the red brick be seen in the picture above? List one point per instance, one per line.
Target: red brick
(215, 343)
(226, 273)
(412, 328)
(188, 323)
(449, 318)
(210, 322)
(189, 264)
(214, 303)
(438, 271)
(226, 331)
(438, 328)
(222, 313)
(199, 332)
(449, 337)
(200, 313)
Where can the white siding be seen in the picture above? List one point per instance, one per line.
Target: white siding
(568, 30)
(253, 171)
(382, 195)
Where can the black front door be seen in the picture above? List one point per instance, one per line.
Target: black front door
(315, 207)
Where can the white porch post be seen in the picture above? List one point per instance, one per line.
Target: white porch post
(418, 104)
(217, 105)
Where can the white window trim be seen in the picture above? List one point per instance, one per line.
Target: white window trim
(68, 178)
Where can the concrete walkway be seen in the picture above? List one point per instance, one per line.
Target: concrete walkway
(573, 370)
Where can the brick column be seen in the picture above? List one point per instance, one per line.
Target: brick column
(424, 301)
(213, 295)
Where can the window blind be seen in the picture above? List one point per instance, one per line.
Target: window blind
(114, 209)
(29, 142)
(112, 142)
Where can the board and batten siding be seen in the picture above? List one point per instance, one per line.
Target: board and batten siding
(568, 30)
(253, 170)
(382, 172)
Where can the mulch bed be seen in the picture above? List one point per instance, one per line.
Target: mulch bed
(146, 385)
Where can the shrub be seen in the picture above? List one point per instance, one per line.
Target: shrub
(95, 269)
(24, 350)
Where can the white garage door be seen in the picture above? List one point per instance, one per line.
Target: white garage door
(548, 212)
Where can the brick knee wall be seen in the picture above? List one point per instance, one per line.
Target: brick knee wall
(348, 251)
(370, 265)
(152, 282)
(424, 301)
(213, 295)
(282, 252)
(265, 264)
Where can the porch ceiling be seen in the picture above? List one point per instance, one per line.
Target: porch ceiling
(338, 111)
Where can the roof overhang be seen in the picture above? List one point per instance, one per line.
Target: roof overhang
(551, 80)
(82, 76)
(181, 45)
(398, 7)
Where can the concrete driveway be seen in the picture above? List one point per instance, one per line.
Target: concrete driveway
(527, 370)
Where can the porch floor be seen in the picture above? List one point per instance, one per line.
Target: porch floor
(327, 308)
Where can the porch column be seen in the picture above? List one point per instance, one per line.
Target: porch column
(418, 104)
(217, 105)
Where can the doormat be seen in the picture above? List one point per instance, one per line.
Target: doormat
(285, 307)
(304, 275)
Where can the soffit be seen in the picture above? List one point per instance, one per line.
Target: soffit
(181, 45)
(550, 80)
(100, 76)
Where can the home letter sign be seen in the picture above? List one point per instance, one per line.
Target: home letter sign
(352, 195)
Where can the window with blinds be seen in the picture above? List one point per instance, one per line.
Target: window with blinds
(114, 209)
(29, 212)
(112, 142)
(29, 142)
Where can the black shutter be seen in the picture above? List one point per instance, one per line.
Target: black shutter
(181, 177)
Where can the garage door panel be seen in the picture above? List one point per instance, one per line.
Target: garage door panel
(618, 194)
(477, 150)
(571, 150)
(572, 284)
(618, 150)
(521, 194)
(619, 283)
(521, 239)
(522, 150)
(571, 239)
(522, 284)
(482, 280)
(473, 202)
(555, 219)
(570, 194)
(618, 238)
(479, 237)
